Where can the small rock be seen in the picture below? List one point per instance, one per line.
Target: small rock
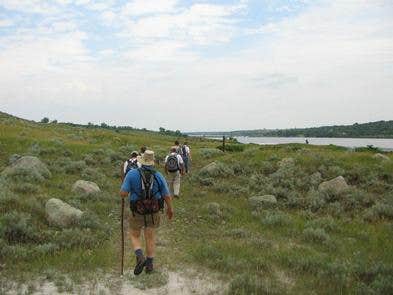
(258, 203)
(381, 157)
(336, 185)
(85, 187)
(61, 214)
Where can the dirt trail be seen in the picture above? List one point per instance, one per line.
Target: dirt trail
(173, 284)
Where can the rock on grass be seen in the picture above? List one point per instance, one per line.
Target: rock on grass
(61, 214)
(337, 185)
(28, 167)
(85, 187)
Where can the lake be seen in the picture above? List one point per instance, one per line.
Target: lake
(382, 143)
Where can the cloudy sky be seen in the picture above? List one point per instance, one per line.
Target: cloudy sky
(198, 64)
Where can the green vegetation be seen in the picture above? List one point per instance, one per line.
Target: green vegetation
(380, 129)
(255, 216)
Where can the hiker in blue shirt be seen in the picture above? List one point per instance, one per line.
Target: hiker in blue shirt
(147, 191)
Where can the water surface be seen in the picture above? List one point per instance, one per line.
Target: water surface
(382, 143)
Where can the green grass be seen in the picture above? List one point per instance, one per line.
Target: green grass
(308, 241)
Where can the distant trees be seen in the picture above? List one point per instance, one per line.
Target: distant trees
(44, 120)
(170, 132)
(373, 129)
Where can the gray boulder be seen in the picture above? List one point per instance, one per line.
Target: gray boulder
(381, 157)
(336, 185)
(61, 214)
(258, 203)
(85, 187)
(29, 167)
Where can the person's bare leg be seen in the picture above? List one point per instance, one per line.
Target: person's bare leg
(135, 236)
(150, 237)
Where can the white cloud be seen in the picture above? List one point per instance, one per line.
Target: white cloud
(6, 23)
(29, 6)
(201, 24)
(108, 17)
(143, 7)
(330, 63)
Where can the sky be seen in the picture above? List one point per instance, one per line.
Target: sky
(198, 65)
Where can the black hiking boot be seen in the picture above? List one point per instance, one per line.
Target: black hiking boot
(149, 268)
(140, 264)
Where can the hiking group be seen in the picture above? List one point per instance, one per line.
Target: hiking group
(149, 194)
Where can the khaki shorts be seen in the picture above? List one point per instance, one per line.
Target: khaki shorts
(137, 222)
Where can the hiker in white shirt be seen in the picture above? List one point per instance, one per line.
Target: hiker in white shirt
(186, 155)
(131, 163)
(174, 168)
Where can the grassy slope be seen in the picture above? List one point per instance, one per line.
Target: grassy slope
(268, 251)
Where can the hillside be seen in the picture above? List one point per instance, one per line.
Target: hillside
(254, 221)
(380, 129)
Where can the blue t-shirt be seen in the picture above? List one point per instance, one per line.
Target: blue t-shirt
(133, 184)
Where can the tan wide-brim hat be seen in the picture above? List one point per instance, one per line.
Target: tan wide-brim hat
(147, 158)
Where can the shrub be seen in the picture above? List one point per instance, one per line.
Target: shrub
(315, 200)
(334, 171)
(326, 223)
(276, 219)
(376, 278)
(241, 168)
(47, 248)
(316, 235)
(126, 150)
(90, 220)
(379, 211)
(93, 174)
(232, 147)
(25, 188)
(89, 160)
(215, 169)
(268, 167)
(213, 210)
(113, 156)
(208, 181)
(73, 167)
(335, 209)
(208, 153)
(17, 227)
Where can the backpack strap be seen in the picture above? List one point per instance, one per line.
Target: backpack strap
(151, 183)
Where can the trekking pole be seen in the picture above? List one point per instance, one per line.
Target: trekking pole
(122, 237)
